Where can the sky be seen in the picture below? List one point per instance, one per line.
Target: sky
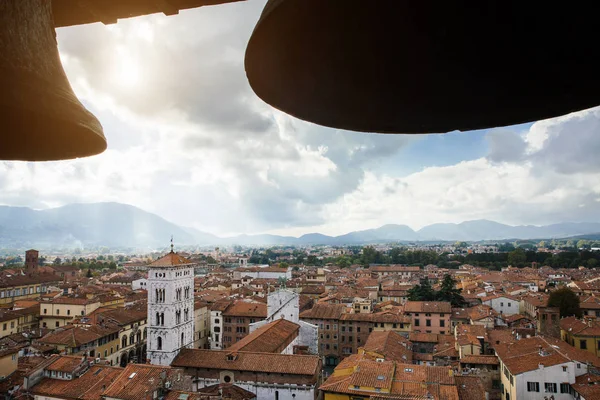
(190, 141)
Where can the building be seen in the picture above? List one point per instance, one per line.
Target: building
(403, 271)
(15, 287)
(389, 346)
(133, 332)
(31, 261)
(237, 319)
(71, 378)
(15, 321)
(359, 377)
(201, 324)
(502, 304)
(327, 318)
(60, 311)
(170, 307)
(88, 341)
(268, 375)
(265, 272)
(216, 323)
(537, 366)
(9, 361)
(285, 304)
(429, 316)
(584, 335)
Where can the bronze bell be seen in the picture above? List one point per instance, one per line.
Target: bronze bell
(41, 119)
(396, 66)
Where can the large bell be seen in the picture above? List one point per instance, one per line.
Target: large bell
(400, 66)
(40, 116)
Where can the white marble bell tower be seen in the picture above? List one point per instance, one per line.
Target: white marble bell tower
(170, 307)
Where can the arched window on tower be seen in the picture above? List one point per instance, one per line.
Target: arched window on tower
(162, 319)
(186, 314)
(124, 341)
(182, 339)
(157, 319)
(131, 339)
(159, 343)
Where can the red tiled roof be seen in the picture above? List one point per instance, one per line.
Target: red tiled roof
(389, 344)
(139, 381)
(428, 307)
(245, 308)
(66, 364)
(171, 260)
(479, 359)
(269, 338)
(470, 388)
(324, 311)
(249, 361)
(88, 386)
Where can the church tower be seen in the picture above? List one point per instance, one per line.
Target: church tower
(170, 307)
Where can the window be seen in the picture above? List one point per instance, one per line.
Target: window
(495, 384)
(427, 322)
(68, 312)
(550, 387)
(158, 343)
(533, 386)
(565, 388)
(57, 324)
(583, 344)
(217, 321)
(564, 369)
(442, 323)
(45, 311)
(417, 322)
(509, 304)
(4, 326)
(501, 304)
(358, 329)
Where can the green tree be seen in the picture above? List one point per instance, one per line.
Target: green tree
(57, 261)
(517, 257)
(343, 262)
(283, 265)
(448, 292)
(567, 301)
(89, 273)
(592, 263)
(421, 292)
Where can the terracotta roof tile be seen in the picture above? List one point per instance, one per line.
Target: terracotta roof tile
(428, 307)
(391, 345)
(249, 361)
(171, 260)
(88, 386)
(269, 338)
(139, 381)
(245, 308)
(324, 311)
(470, 388)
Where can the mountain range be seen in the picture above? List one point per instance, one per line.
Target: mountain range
(122, 225)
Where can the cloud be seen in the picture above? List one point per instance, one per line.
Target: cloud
(189, 141)
(505, 146)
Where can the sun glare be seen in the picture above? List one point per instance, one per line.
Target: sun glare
(126, 72)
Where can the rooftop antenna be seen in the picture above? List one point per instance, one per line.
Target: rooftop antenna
(171, 243)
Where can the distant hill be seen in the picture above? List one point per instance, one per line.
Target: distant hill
(121, 225)
(96, 224)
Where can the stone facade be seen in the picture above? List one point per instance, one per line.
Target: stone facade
(170, 308)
